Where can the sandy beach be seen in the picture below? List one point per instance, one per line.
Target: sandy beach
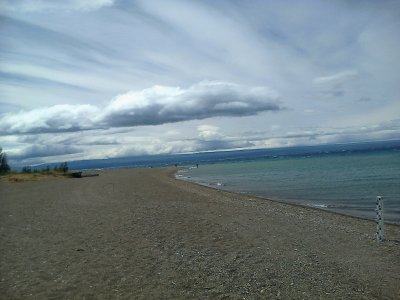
(142, 234)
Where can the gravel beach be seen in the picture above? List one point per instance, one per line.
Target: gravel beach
(142, 234)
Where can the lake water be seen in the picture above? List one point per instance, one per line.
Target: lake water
(348, 183)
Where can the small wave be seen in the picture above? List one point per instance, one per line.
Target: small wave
(216, 184)
(320, 205)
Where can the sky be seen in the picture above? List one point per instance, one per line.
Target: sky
(88, 79)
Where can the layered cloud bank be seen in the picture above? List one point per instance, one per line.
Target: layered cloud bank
(48, 5)
(153, 106)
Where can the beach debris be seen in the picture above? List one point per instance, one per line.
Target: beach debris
(83, 174)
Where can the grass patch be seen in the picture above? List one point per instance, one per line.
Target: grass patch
(37, 176)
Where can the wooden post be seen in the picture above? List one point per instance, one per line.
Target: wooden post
(380, 231)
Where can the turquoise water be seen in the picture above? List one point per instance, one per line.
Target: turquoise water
(346, 183)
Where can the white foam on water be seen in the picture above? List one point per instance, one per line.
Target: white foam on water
(320, 205)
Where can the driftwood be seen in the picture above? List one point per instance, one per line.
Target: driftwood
(81, 174)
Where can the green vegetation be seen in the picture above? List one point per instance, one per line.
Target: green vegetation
(4, 167)
(30, 173)
(61, 168)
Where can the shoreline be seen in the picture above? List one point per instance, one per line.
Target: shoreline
(142, 233)
(288, 202)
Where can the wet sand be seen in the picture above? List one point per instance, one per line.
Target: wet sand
(141, 234)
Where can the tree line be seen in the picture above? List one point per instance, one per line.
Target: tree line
(63, 167)
(5, 167)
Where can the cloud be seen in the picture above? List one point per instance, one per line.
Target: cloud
(337, 78)
(215, 145)
(319, 135)
(210, 139)
(51, 5)
(49, 48)
(209, 132)
(100, 138)
(46, 148)
(153, 106)
(335, 85)
(36, 151)
(160, 104)
(58, 118)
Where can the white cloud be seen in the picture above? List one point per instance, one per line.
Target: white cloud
(53, 5)
(209, 132)
(58, 118)
(152, 106)
(336, 78)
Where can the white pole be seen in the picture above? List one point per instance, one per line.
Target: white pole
(380, 231)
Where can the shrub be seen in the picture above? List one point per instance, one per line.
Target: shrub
(26, 169)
